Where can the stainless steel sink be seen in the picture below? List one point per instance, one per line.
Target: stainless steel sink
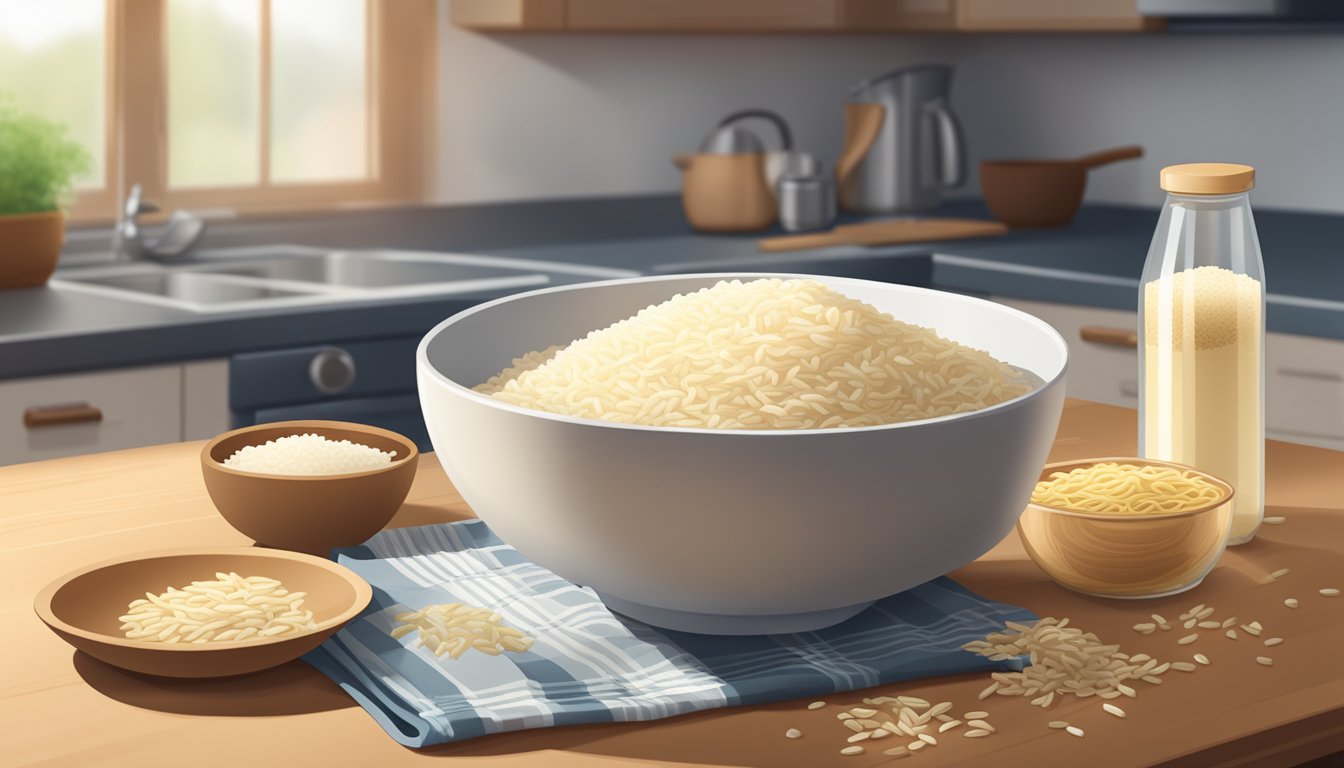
(191, 287)
(248, 278)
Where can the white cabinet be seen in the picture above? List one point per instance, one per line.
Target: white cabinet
(1304, 390)
(1103, 356)
(52, 416)
(205, 399)
(1304, 376)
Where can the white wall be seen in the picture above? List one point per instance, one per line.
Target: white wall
(532, 116)
(1273, 101)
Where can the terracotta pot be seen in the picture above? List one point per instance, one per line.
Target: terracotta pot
(30, 243)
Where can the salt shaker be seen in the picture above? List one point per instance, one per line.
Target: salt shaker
(806, 201)
(1202, 325)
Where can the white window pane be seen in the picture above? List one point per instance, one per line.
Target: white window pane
(214, 92)
(52, 60)
(319, 107)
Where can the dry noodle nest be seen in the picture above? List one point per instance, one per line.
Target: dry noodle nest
(1111, 488)
(764, 354)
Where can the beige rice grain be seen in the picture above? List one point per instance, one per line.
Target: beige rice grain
(764, 354)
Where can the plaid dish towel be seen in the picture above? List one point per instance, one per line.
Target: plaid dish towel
(588, 665)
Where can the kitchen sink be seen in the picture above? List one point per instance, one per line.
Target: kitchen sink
(247, 278)
(190, 287)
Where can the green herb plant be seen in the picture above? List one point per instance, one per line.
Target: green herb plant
(39, 162)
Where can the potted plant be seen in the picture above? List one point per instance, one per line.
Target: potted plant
(38, 166)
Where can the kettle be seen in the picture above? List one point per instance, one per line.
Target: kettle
(728, 185)
(903, 146)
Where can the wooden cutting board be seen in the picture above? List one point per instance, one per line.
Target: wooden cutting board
(887, 232)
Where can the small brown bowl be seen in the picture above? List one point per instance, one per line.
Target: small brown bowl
(83, 607)
(309, 513)
(1127, 556)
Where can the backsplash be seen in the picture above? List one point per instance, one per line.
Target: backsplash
(532, 116)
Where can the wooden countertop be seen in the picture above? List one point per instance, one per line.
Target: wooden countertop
(60, 708)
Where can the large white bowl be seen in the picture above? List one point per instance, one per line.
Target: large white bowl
(737, 531)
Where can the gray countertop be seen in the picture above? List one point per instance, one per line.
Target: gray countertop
(1094, 262)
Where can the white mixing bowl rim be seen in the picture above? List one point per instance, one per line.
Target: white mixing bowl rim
(422, 358)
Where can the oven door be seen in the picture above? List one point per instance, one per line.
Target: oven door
(399, 413)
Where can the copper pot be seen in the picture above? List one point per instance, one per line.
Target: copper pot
(726, 186)
(1038, 194)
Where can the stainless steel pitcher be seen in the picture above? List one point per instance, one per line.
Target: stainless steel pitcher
(903, 145)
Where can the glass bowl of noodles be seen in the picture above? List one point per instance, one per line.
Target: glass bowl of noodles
(1126, 527)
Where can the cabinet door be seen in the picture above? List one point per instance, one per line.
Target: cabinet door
(53, 416)
(1304, 390)
(1103, 349)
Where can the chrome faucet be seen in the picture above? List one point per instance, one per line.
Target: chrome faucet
(180, 234)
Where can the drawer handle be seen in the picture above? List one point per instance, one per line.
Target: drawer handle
(1111, 337)
(65, 413)
(1303, 373)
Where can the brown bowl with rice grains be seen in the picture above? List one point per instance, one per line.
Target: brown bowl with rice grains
(205, 612)
(309, 486)
(1126, 527)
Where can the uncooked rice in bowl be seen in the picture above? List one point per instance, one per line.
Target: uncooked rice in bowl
(308, 454)
(765, 354)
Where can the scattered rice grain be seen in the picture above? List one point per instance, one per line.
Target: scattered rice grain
(1188, 639)
(1264, 660)
(1114, 710)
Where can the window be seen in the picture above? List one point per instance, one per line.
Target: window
(254, 105)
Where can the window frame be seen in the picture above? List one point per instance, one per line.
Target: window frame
(400, 45)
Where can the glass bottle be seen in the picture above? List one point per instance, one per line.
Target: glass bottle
(1202, 332)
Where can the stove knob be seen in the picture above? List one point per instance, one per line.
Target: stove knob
(332, 371)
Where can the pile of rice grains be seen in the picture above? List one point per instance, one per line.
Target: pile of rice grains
(1063, 661)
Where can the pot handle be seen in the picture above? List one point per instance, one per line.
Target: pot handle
(863, 121)
(785, 135)
(951, 147)
(1110, 156)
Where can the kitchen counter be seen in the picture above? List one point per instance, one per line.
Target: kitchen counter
(61, 708)
(1094, 262)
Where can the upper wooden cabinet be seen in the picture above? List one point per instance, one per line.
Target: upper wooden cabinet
(669, 16)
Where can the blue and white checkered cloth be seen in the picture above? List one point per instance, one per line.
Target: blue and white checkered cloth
(590, 666)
